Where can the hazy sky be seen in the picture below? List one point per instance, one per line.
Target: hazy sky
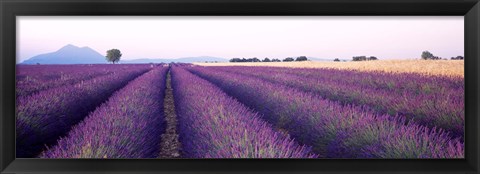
(228, 37)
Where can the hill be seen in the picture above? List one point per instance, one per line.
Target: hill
(69, 54)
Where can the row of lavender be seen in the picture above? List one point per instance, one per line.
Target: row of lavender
(128, 125)
(214, 125)
(34, 78)
(45, 116)
(432, 101)
(333, 129)
(120, 128)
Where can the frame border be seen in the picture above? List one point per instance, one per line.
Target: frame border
(9, 9)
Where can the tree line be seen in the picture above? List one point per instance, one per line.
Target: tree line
(266, 59)
(113, 55)
(364, 58)
(427, 55)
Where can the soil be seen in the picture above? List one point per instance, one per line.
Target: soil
(170, 145)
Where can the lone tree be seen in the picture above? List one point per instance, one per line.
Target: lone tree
(427, 55)
(336, 60)
(113, 55)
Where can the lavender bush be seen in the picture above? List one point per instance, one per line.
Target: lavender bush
(335, 130)
(428, 100)
(34, 78)
(49, 114)
(128, 125)
(214, 125)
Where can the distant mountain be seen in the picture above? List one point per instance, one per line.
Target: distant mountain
(179, 60)
(69, 54)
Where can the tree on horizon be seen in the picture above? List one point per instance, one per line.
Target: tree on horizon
(301, 58)
(113, 55)
(288, 59)
(427, 55)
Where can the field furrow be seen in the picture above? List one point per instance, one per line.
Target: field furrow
(333, 129)
(214, 125)
(45, 116)
(170, 146)
(128, 125)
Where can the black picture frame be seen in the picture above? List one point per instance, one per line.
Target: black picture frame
(9, 9)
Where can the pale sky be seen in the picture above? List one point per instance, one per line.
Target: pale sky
(228, 36)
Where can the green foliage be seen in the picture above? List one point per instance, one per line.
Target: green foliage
(359, 58)
(364, 58)
(266, 59)
(457, 58)
(235, 60)
(426, 55)
(301, 58)
(245, 60)
(113, 55)
(288, 59)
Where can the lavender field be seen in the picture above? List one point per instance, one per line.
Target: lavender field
(191, 111)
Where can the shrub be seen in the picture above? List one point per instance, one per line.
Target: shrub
(457, 58)
(288, 59)
(301, 58)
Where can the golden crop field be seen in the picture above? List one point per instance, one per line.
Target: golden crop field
(429, 67)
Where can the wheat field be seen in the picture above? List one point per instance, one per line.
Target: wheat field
(429, 67)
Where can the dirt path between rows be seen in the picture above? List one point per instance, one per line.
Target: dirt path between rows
(170, 145)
